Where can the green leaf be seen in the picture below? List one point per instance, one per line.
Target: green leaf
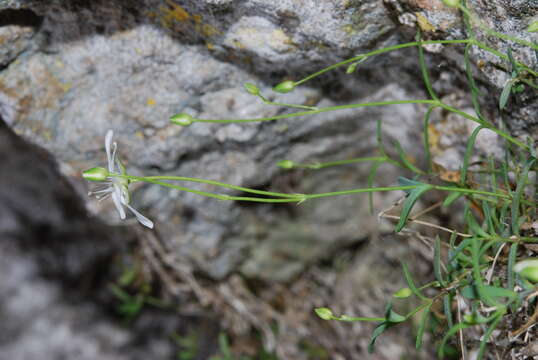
(394, 317)
(379, 329)
(499, 292)
(371, 178)
(424, 68)
(447, 302)
(426, 135)
(452, 196)
(475, 92)
(521, 183)
(422, 326)
(410, 201)
(437, 261)
(513, 63)
(505, 94)
(487, 335)
(451, 332)
(411, 283)
(405, 160)
(468, 152)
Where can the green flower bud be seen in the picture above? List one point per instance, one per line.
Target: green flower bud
(182, 119)
(284, 87)
(324, 313)
(533, 27)
(403, 293)
(95, 174)
(528, 269)
(251, 88)
(452, 3)
(286, 164)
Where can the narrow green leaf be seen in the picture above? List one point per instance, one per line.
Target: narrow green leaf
(474, 227)
(437, 261)
(394, 317)
(487, 335)
(405, 160)
(371, 178)
(512, 258)
(426, 136)
(410, 201)
(411, 283)
(475, 92)
(505, 94)
(380, 329)
(423, 67)
(469, 152)
(451, 332)
(447, 308)
(452, 196)
(521, 183)
(422, 326)
(498, 292)
(379, 137)
(463, 245)
(514, 68)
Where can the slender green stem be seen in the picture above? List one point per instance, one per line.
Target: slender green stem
(316, 166)
(209, 182)
(485, 124)
(352, 318)
(318, 111)
(269, 102)
(497, 34)
(471, 191)
(377, 52)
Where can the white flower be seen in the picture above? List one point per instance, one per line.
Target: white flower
(116, 187)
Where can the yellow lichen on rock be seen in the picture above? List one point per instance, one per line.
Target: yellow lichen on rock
(424, 24)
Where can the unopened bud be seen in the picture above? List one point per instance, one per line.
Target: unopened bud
(286, 164)
(251, 88)
(95, 174)
(324, 313)
(284, 87)
(182, 119)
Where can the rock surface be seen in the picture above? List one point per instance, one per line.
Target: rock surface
(71, 70)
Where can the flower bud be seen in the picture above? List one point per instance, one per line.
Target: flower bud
(286, 164)
(284, 87)
(182, 119)
(403, 293)
(251, 88)
(528, 269)
(324, 313)
(95, 174)
(452, 3)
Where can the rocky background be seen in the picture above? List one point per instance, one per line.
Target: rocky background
(72, 69)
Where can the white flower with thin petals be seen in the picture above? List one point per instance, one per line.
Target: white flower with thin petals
(113, 186)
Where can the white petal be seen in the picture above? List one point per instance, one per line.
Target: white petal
(116, 197)
(141, 218)
(112, 164)
(108, 144)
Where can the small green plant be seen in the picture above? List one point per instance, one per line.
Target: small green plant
(132, 295)
(480, 279)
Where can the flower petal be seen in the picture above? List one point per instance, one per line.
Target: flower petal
(141, 218)
(108, 144)
(116, 197)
